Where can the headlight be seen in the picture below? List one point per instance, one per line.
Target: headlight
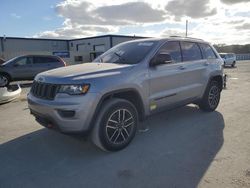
(74, 89)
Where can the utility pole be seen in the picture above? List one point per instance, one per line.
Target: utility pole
(186, 28)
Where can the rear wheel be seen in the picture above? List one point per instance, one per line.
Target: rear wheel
(116, 125)
(4, 80)
(233, 64)
(211, 98)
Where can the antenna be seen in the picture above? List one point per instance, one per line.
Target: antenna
(186, 28)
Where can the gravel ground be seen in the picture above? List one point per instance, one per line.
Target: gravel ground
(184, 147)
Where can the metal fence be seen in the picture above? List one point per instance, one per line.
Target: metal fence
(242, 56)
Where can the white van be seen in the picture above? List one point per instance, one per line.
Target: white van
(229, 59)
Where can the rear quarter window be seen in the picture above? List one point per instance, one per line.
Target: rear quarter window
(44, 60)
(52, 60)
(207, 51)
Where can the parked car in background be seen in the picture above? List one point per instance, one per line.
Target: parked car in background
(2, 61)
(229, 59)
(27, 67)
(130, 81)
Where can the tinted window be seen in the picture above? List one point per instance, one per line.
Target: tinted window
(44, 60)
(208, 52)
(51, 60)
(38, 60)
(190, 51)
(173, 49)
(127, 53)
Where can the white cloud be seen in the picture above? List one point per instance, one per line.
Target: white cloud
(191, 8)
(174, 32)
(234, 1)
(122, 14)
(218, 21)
(75, 32)
(129, 13)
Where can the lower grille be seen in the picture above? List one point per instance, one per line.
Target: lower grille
(44, 90)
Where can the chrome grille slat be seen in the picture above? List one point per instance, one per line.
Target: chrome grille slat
(44, 90)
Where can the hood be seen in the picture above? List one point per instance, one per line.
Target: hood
(87, 70)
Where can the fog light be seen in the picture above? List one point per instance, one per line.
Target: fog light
(66, 113)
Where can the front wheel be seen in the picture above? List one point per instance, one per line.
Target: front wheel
(116, 125)
(4, 80)
(211, 98)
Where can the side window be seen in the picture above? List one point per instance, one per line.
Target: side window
(208, 52)
(38, 60)
(190, 51)
(51, 60)
(23, 61)
(45, 60)
(173, 49)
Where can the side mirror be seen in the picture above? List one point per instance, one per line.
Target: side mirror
(160, 59)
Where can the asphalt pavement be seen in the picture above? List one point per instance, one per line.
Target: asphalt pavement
(183, 148)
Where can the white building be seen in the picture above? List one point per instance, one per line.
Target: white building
(72, 51)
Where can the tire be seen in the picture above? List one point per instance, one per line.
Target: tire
(233, 64)
(211, 98)
(4, 80)
(113, 130)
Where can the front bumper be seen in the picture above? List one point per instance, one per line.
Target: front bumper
(9, 93)
(55, 113)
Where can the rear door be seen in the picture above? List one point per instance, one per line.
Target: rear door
(194, 71)
(43, 63)
(40, 65)
(210, 57)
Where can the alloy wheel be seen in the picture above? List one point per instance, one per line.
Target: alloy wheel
(119, 126)
(214, 96)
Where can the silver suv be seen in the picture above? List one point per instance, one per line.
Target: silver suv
(107, 97)
(27, 67)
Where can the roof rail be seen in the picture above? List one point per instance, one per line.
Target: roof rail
(187, 37)
(194, 38)
(175, 36)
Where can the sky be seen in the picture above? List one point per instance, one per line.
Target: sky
(216, 21)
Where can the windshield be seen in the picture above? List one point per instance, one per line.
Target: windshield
(222, 55)
(13, 59)
(127, 53)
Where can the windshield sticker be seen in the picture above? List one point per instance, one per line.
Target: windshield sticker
(145, 44)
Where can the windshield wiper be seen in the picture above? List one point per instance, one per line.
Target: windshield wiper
(118, 55)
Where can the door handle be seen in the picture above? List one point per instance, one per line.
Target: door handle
(206, 63)
(182, 67)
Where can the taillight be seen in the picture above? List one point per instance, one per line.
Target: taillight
(63, 62)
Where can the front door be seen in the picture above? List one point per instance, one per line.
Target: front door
(166, 79)
(22, 68)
